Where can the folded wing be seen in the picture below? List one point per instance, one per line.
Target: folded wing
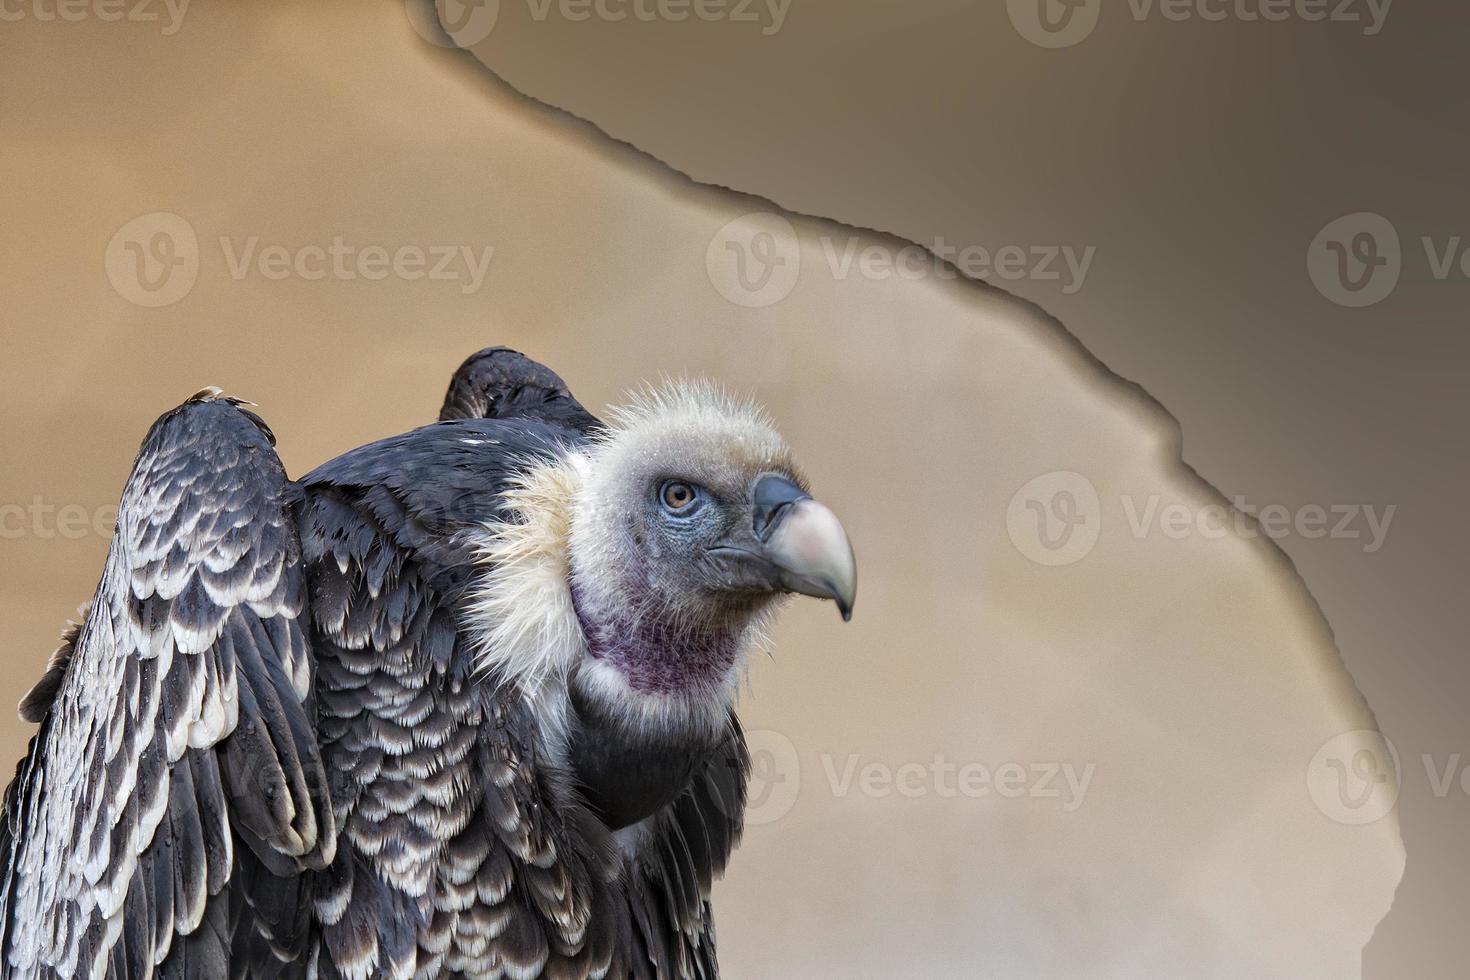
(499, 383)
(174, 795)
(462, 853)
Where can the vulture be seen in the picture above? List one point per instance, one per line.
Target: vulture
(456, 704)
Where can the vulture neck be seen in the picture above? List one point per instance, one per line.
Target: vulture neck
(658, 657)
(650, 701)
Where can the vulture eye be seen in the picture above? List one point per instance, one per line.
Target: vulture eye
(678, 497)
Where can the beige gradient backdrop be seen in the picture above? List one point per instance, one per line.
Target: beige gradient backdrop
(1193, 676)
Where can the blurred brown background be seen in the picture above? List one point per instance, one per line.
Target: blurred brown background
(1188, 164)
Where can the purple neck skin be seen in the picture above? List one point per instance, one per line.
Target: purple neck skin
(655, 657)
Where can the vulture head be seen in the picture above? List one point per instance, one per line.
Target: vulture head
(664, 544)
(692, 518)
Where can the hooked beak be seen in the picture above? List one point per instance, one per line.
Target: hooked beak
(805, 542)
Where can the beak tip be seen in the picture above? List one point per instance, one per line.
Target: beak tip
(809, 547)
(845, 599)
